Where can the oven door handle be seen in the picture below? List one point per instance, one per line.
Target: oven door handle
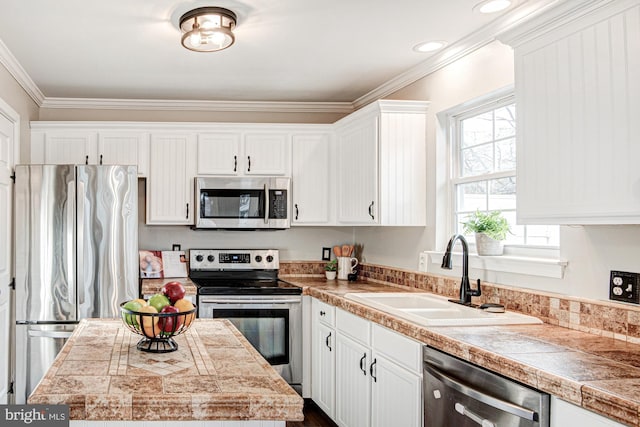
(500, 404)
(249, 301)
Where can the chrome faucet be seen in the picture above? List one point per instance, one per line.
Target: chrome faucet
(465, 289)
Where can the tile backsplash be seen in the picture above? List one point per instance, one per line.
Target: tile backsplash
(610, 319)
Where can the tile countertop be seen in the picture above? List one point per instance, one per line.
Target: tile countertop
(214, 375)
(600, 374)
(153, 286)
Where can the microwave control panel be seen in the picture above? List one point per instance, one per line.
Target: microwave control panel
(278, 204)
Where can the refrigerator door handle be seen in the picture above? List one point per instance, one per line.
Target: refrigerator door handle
(71, 273)
(80, 197)
(49, 334)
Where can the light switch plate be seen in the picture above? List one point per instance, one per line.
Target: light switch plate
(625, 287)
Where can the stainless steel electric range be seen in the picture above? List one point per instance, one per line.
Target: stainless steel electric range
(242, 285)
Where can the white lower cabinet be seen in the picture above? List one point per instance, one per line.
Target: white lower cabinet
(323, 356)
(567, 414)
(378, 372)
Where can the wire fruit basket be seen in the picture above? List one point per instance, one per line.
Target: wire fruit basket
(157, 329)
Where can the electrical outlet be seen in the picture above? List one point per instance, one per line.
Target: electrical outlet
(625, 287)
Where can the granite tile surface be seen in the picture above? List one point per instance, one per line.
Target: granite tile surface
(215, 374)
(593, 370)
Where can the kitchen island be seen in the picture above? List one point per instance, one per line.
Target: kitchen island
(215, 375)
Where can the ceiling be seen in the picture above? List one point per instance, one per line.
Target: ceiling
(286, 50)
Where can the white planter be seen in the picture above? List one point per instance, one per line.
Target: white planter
(330, 275)
(486, 246)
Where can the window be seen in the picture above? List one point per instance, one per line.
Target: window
(484, 170)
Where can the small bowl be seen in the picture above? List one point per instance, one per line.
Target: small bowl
(157, 329)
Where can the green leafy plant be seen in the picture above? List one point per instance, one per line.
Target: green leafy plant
(493, 224)
(331, 265)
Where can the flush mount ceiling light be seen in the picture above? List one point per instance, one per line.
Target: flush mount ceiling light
(208, 29)
(429, 46)
(492, 6)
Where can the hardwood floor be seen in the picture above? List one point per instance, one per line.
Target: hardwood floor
(313, 417)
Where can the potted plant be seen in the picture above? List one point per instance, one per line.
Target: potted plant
(330, 269)
(490, 228)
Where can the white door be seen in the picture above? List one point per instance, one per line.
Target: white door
(266, 154)
(219, 153)
(6, 208)
(324, 366)
(310, 178)
(124, 148)
(353, 393)
(396, 397)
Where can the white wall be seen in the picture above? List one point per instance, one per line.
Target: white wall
(591, 251)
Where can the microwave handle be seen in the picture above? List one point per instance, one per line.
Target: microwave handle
(266, 203)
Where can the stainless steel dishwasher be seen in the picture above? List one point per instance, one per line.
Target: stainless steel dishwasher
(459, 394)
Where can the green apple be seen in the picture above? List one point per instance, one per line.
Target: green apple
(159, 301)
(134, 306)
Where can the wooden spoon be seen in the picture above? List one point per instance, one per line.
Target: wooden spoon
(345, 250)
(351, 250)
(337, 251)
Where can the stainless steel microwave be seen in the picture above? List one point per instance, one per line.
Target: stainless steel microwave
(250, 203)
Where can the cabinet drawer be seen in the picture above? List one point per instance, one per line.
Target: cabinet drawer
(324, 312)
(397, 348)
(354, 326)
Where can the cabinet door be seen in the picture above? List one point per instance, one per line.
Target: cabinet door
(353, 392)
(578, 100)
(170, 183)
(311, 179)
(266, 154)
(396, 395)
(124, 148)
(218, 153)
(70, 147)
(567, 414)
(323, 371)
(358, 172)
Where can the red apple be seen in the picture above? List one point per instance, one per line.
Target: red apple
(169, 323)
(174, 291)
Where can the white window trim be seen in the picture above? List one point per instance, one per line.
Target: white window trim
(518, 259)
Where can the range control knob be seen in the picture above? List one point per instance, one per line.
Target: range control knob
(199, 258)
(211, 258)
(269, 258)
(258, 258)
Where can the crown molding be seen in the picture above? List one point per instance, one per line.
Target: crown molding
(485, 35)
(457, 50)
(15, 69)
(165, 104)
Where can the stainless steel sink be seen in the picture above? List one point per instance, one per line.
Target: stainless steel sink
(432, 310)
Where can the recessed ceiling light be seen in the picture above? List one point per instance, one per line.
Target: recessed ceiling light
(492, 6)
(429, 46)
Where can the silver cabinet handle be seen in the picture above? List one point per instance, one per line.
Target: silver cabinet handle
(500, 404)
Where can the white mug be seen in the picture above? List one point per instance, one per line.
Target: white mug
(346, 266)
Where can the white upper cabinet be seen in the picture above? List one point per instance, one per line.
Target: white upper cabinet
(57, 147)
(218, 153)
(241, 152)
(578, 100)
(311, 179)
(266, 153)
(87, 143)
(170, 184)
(381, 158)
(124, 148)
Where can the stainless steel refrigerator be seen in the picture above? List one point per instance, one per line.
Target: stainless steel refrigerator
(76, 256)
